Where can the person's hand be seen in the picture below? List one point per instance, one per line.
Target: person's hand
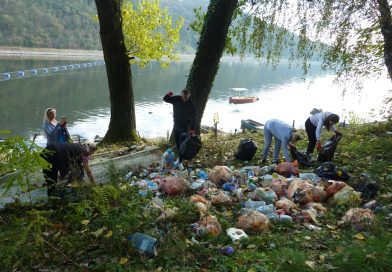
(170, 93)
(63, 123)
(192, 132)
(318, 146)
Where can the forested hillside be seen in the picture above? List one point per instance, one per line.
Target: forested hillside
(70, 24)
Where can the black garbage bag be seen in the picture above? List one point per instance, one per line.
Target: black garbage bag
(327, 152)
(301, 157)
(368, 190)
(246, 150)
(330, 171)
(190, 146)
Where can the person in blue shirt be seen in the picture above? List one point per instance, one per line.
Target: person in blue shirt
(184, 116)
(55, 131)
(283, 133)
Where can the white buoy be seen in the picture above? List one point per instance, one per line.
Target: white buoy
(33, 71)
(21, 74)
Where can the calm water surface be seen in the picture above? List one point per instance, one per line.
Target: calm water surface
(82, 95)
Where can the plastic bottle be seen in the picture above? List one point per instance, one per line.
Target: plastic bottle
(266, 209)
(250, 204)
(143, 243)
(284, 218)
(228, 186)
(128, 176)
(251, 184)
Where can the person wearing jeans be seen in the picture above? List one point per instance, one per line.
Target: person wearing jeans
(283, 134)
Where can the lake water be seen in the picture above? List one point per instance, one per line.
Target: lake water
(82, 95)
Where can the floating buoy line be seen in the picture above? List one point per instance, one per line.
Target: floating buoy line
(48, 70)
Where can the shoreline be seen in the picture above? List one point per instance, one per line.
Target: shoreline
(6, 51)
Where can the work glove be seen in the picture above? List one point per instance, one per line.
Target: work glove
(318, 146)
(170, 93)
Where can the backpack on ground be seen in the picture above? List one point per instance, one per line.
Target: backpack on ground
(327, 152)
(190, 146)
(246, 150)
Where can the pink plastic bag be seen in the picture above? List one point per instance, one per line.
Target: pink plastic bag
(173, 185)
(253, 221)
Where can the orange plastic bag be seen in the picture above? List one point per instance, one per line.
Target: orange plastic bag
(288, 169)
(253, 221)
(173, 185)
(287, 205)
(334, 187)
(210, 225)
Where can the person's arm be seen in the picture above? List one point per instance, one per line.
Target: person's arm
(88, 170)
(169, 97)
(49, 130)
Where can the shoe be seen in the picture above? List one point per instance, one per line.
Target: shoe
(180, 166)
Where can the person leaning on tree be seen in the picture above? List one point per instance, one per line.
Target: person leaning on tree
(184, 116)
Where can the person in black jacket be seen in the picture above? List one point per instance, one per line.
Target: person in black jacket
(184, 118)
(68, 159)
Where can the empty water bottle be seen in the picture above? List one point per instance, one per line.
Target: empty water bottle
(267, 209)
(250, 204)
(128, 176)
(228, 186)
(143, 243)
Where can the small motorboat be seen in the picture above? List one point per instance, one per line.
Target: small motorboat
(242, 99)
(238, 98)
(251, 125)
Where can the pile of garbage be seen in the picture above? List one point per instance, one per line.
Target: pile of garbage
(262, 196)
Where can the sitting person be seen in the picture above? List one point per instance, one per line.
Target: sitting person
(68, 159)
(55, 131)
(283, 134)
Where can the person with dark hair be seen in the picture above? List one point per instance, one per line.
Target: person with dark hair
(283, 134)
(184, 116)
(313, 126)
(68, 159)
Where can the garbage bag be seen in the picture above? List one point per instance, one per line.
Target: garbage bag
(253, 221)
(301, 157)
(359, 218)
(246, 150)
(288, 169)
(190, 146)
(329, 171)
(347, 197)
(220, 174)
(334, 187)
(173, 185)
(208, 225)
(327, 152)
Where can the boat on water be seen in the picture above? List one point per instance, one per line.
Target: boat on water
(239, 98)
(251, 125)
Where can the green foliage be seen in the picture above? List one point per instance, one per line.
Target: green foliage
(149, 33)
(22, 158)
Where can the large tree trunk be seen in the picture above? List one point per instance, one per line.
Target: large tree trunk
(122, 126)
(210, 48)
(386, 30)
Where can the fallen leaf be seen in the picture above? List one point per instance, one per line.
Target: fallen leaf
(360, 236)
(339, 249)
(108, 234)
(123, 260)
(311, 264)
(331, 227)
(85, 222)
(98, 232)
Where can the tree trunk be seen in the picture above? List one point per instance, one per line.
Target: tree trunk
(386, 30)
(122, 126)
(209, 51)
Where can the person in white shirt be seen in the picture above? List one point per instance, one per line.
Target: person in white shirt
(313, 126)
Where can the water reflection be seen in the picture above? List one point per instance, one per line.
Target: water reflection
(83, 96)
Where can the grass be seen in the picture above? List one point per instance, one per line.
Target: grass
(90, 232)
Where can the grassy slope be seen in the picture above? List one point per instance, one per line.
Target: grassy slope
(58, 238)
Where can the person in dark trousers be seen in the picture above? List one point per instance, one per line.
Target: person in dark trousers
(314, 125)
(184, 116)
(68, 159)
